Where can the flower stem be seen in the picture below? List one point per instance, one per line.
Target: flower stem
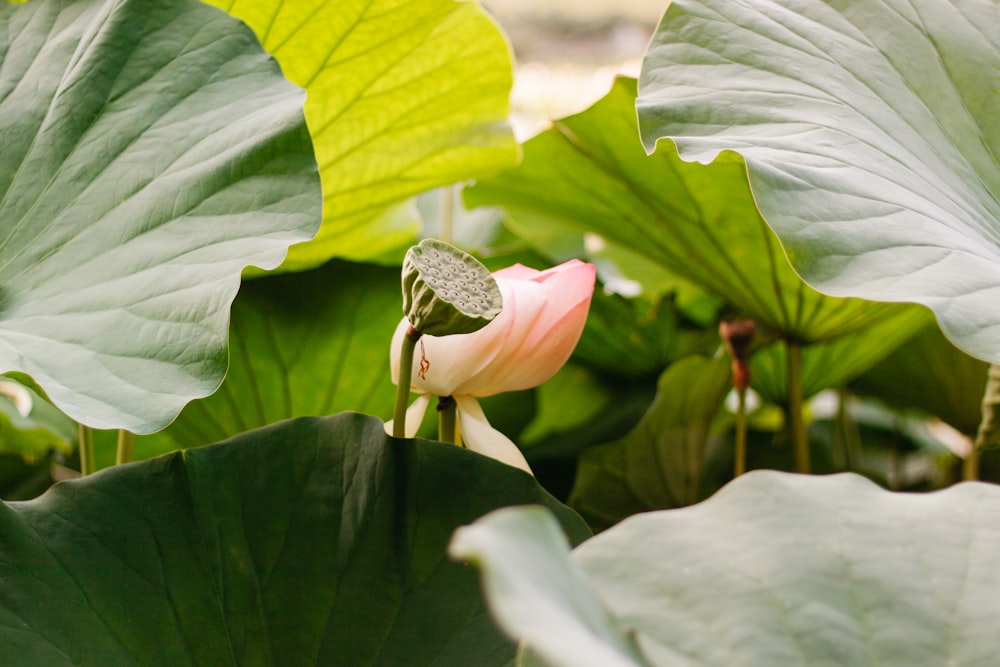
(126, 447)
(86, 444)
(740, 464)
(405, 376)
(446, 419)
(988, 434)
(796, 424)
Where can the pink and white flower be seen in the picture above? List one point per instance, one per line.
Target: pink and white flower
(542, 319)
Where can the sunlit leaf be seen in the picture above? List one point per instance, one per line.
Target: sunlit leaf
(403, 97)
(590, 173)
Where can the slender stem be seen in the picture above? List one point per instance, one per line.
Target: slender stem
(126, 447)
(841, 450)
(796, 424)
(447, 213)
(405, 376)
(740, 465)
(86, 445)
(970, 466)
(988, 434)
(446, 419)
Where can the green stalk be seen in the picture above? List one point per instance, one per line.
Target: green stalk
(740, 465)
(86, 444)
(796, 424)
(447, 412)
(447, 213)
(405, 376)
(126, 447)
(988, 434)
(841, 449)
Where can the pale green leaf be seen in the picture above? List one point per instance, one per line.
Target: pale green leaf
(870, 134)
(590, 173)
(149, 151)
(776, 569)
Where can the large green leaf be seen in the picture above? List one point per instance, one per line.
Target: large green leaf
(660, 463)
(869, 132)
(149, 150)
(403, 97)
(538, 595)
(589, 173)
(301, 344)
(930, 374)
(831, 364)
(776, 569)
(314, 542)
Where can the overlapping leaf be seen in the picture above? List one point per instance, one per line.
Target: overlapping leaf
(148, 152)
(775, 569)
(590, 173)
(660, 463)
(403, 97)
(869, 132)
(302, 344)
(312, 542)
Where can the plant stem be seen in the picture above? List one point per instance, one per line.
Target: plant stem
(988, 434)
(126, 447)
(796, 424)
(447, 213)
(740, 465)
(86, 444)
(405, 376)
(446, 419)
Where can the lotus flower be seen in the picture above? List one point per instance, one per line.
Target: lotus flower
(542, 319)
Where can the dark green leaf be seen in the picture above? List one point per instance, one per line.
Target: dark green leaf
(312, 542)
(303, 344)
(659, 464)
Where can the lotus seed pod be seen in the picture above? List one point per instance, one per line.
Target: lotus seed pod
(447, 291)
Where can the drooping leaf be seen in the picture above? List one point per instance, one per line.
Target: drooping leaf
(830, 364)
(301, 344)
(312, 542)
(590, 173)
(869, 133)
(775, 569)
(660, 463)
(930, 374)
(148, 152)
(402, 97)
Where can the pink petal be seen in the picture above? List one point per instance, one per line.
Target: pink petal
(543, 317)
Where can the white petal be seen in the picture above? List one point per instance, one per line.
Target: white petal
(414, 416)
(480, 437)
(17, 395)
